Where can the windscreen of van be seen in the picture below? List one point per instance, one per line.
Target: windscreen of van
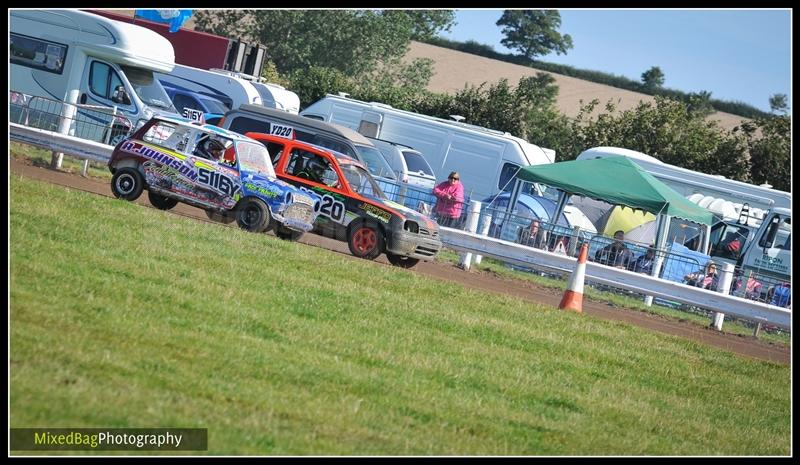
(148, 88)
(214, 106)
(416, 163)
(375, 162)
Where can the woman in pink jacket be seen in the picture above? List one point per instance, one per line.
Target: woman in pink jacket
(450, 198)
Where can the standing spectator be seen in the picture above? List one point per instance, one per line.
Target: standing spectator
(615, 254)
(706, 278)
(449, 198)
(644, 263)
(533, 236)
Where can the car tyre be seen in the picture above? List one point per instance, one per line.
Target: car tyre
(253, 215)
(287, 234)
(220, 217)
(127, 184)
(365, 240)
(161, 202)
(401, 260)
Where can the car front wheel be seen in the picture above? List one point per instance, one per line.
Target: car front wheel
(253, 215)
(287, 234)
(365, 241)
(401, 260)
(127, 184)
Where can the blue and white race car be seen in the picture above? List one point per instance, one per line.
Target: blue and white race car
(228, 175)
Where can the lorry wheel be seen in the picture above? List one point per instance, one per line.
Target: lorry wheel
(214, 215)
(161, 202)
(287, 234)
(401, 260)
(253, 215)
(127, 184)
(365, 241)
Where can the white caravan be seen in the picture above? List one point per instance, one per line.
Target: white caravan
(487, 160)
(272, 95)
(758, 216)
(54, 53)
(222, 84)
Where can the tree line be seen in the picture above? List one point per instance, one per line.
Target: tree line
(316, 52)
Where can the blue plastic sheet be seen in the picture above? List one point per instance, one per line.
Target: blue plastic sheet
(174, 17)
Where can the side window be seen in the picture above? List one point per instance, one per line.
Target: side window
(160, 132)
(275, 151)
(313, 167)
(103, 80)
(98, 79)
(729, 241)
(243, 124)
(506, 175)
(37, 53)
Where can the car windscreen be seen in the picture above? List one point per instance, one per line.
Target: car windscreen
(361, 181)
(254, 157)
(416, 163)
(214, 106)
(375, 162)
(148, 88)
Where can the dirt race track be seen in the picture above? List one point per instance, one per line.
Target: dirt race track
(742, 345)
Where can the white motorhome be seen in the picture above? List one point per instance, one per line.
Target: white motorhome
(238, 91)
(110, 63)
(487, 160)
(758, 217)
(272, 95)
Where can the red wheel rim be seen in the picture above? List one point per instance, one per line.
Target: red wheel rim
(364, 240)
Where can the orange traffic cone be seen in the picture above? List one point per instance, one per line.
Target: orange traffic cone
(573, 296)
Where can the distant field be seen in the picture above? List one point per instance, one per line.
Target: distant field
(126, 316)
(454, 69)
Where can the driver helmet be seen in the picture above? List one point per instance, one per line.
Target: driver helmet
(316, 167)
(213, 148)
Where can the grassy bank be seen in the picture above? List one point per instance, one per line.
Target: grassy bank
(123, 316)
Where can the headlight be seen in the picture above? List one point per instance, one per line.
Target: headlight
(411, 226)
(289, 198)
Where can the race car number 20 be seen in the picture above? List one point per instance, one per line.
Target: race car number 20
(281, 131)
(331, 208)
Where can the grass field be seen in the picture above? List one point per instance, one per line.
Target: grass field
(123, 316)
(622, 300)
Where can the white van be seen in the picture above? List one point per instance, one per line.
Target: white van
(238, 91)
(408, 164)
(110, 63)
(487, 159)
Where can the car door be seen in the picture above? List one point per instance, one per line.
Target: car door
(319, 173)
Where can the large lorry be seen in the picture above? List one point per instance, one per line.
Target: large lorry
(487, 159)
(754, 231)
(56, 53)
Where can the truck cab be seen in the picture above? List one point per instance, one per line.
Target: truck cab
(769, 253)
